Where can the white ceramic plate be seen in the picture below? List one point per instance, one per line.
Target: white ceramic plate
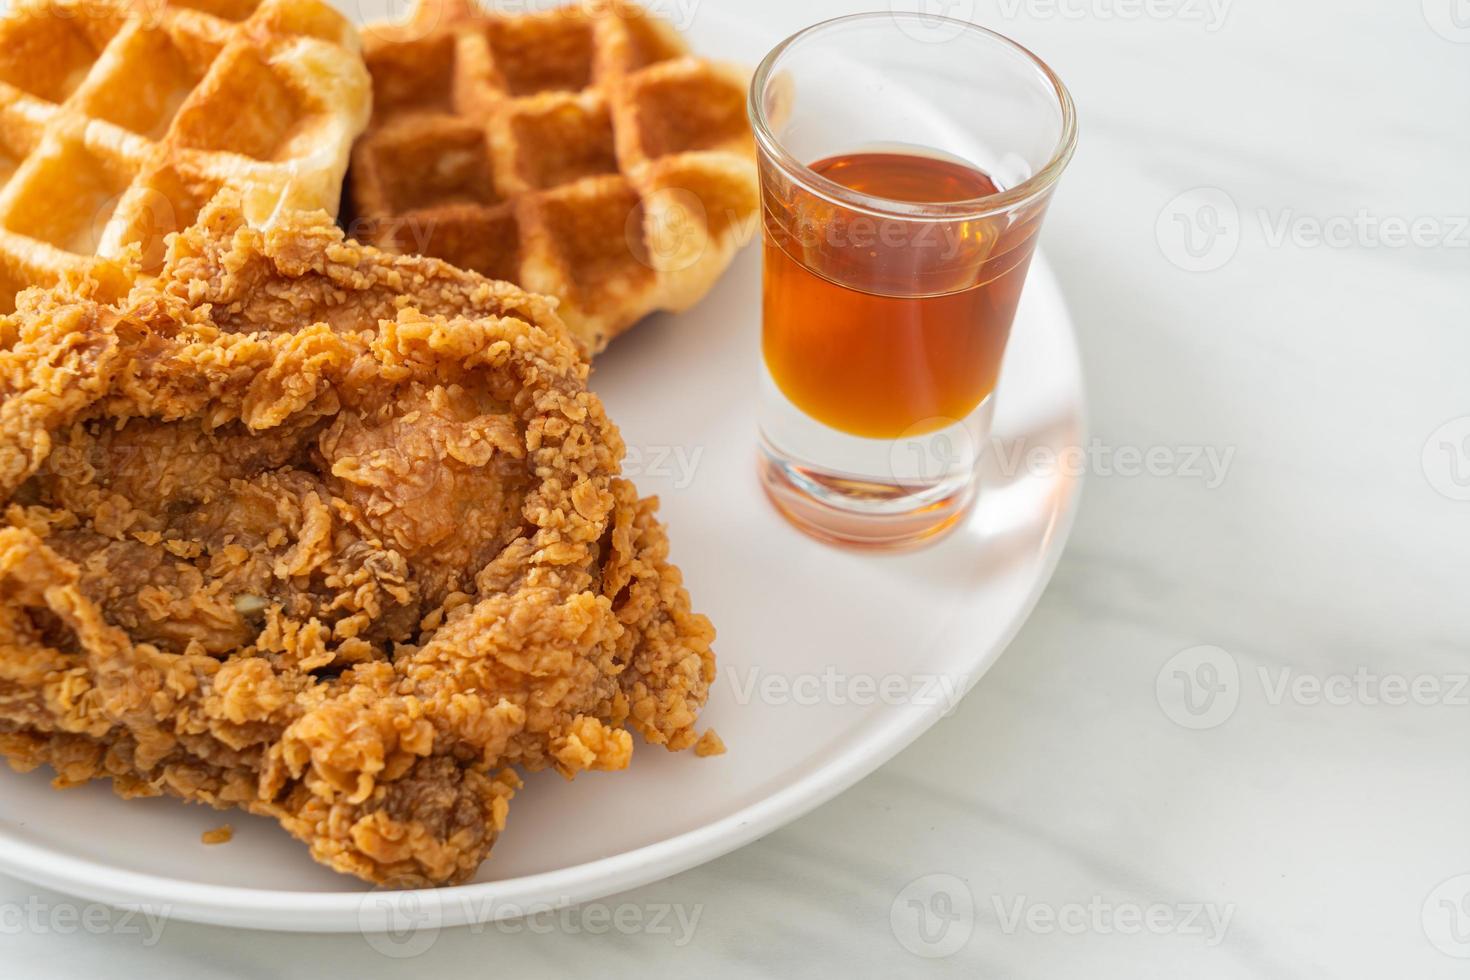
(830, 661)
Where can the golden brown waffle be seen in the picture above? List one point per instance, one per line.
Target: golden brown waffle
(120, 119)
(581, 153)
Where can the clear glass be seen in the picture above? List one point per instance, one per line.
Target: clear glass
(886, 317)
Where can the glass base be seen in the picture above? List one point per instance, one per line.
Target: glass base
(841, 510)
(877, 493)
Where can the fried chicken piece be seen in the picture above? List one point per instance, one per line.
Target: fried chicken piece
(328, 536)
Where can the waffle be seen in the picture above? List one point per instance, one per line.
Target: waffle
(581, 153)
(119, 120)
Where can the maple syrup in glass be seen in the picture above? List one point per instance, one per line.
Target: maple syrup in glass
(906, 163)
(878, 330)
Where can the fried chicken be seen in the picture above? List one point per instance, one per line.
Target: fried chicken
(329, 536)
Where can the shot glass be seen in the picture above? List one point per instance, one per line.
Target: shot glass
(906, 164)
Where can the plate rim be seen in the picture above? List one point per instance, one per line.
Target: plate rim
(345, 911)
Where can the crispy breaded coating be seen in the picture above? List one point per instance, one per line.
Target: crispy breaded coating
(329, 536)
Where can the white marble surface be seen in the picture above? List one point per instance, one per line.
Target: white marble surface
(1079, 820)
